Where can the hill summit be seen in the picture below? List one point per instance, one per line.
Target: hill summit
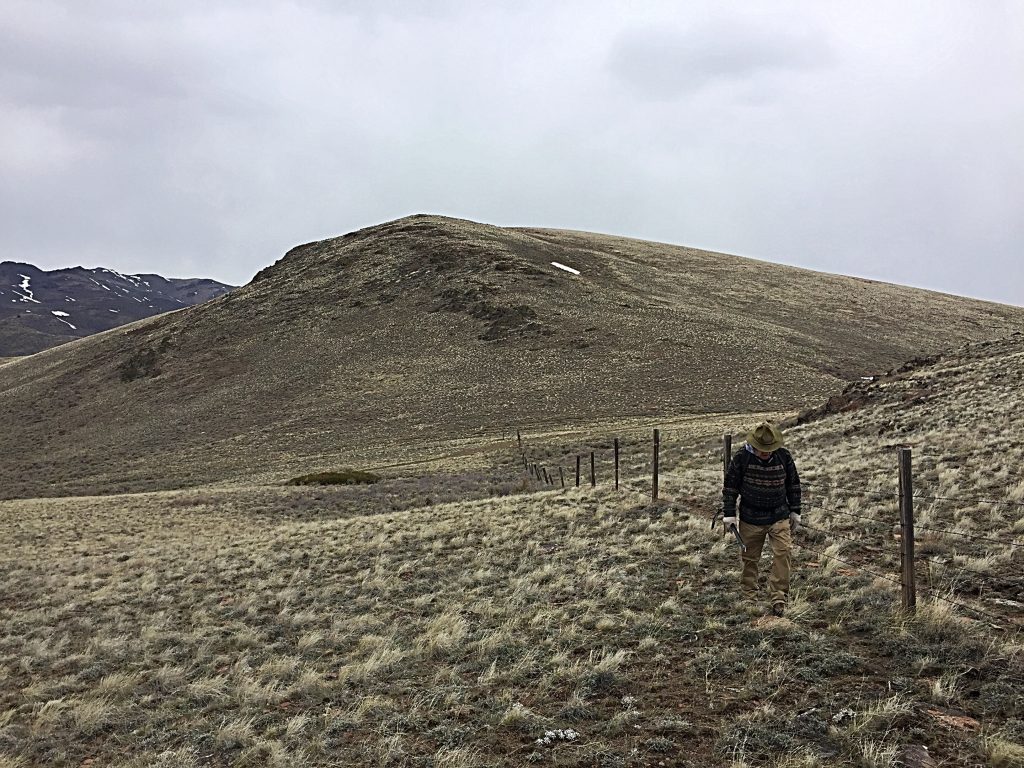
(388, 342)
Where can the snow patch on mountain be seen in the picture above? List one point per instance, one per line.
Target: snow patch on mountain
(28, 295)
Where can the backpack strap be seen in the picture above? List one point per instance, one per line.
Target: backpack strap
(742, 459)
(737, 469)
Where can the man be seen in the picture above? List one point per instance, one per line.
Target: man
(763, 475)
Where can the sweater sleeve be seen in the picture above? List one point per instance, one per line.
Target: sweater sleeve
(792, 486)
(731, 486)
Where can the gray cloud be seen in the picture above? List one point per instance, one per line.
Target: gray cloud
(207, 138)
(663, 62)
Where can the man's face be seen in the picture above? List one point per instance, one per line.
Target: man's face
(763, 454)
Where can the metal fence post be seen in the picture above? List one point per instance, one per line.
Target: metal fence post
(907, 530)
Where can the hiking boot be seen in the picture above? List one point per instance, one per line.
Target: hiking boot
(778, 609)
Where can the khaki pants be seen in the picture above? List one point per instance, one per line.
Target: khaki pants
(782, 543)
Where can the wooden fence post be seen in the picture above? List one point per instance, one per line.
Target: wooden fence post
(577, 470)
(616, 463)
(547, 478)
(657, 448)
(593, 476)
(519, 439)
(561, 475)
(907, 530)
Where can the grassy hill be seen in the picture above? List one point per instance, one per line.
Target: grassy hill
(465, 616)
(429, 336)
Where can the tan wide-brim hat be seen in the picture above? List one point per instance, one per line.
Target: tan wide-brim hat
(765, 437)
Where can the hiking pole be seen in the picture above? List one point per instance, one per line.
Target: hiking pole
(733, 528)
(739, 539)
(714, 519)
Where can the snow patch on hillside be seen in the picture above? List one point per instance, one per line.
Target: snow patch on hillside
(557, 265)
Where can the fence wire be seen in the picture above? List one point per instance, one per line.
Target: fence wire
(831, 490)
(868, 571)
(980, 612)
(948, 566)
(857, 539)
(975, 537)
(851, 514)
(999, 620)
(972, 500)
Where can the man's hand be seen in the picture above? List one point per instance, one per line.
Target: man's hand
(794, 522)
(728, 522)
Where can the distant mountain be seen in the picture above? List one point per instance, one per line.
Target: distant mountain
(39, 309)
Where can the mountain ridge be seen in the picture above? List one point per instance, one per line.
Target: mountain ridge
(40, 309)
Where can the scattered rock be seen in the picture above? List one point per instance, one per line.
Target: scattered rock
(916, 756)
(552, 737)
(843, 715)
(959, 722)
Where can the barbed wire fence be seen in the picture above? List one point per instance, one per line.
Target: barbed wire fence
(944, 581)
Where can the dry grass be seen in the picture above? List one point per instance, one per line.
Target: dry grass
(150, 630)
(457, 617)
(393, 634)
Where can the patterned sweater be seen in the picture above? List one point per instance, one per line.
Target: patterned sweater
(768, 489)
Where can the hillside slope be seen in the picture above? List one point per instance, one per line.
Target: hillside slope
(388, 343)
(40, 309)
(399, 624)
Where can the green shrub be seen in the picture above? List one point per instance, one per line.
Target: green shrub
(144, 363)
(342, 477)
(141, 364)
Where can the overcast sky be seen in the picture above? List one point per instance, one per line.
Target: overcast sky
(206, 137)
